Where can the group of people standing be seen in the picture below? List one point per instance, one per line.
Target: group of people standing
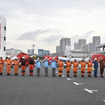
(54, 64)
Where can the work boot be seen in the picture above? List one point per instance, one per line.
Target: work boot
(0, 73)
(67, 75)
(8, 74)
(82, 75)
(60, 76)
(75, 75)
(89, 75)
(16, 74)
(95, 75)
(46, 75)
(102, 76)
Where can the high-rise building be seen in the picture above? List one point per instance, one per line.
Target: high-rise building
(82, 44)
(90, 47)
(12, 51)
(96, 42)
(30, 51)
(76, 45)
(2, 36)
(86, 49)
(58, 50)
(63, 43)
(40, 52)
(46, 52)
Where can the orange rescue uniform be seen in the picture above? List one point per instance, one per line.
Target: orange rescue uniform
(89, 69)
(9, 64)
(1, 66)
(16, 65)
(83, 66)
(60, 68)
(68, 67)
(75, 66)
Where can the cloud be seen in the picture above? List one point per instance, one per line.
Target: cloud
(33, 35)
(48, 7)
(52, 39)
(87, 35)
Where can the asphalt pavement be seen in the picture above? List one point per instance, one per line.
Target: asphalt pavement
(33, 90)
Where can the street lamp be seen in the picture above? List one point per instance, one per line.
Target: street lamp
(33, 45)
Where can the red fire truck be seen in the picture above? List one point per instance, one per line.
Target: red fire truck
(100, 54)
(20, 55)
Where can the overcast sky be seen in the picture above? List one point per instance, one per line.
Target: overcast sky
(45, 22)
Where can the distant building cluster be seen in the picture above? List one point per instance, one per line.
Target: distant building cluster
(12, 51)
(81, 48)
(90, 47)
(42, 52)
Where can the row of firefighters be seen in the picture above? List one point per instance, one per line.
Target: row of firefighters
(53, 66)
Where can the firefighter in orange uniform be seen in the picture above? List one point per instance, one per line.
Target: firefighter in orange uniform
(68, 67)
(75, 67)
(16, 65)
(9, 64)
(83, 66)
(31, 66)
(60, 67)
(23, 65)
(89, 69)
(1, 65)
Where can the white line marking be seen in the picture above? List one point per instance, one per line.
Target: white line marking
(104, 100)
(63, 76)
(78, 83)
(68, 79)
(90, 91)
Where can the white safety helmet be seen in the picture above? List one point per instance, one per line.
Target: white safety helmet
(16, 58)
(37, 58)
(31, 56)
(23, 57)
(95, 59)
(53, 58)
(9, 57)
(46, 58)
(68, 59)
(89, 59)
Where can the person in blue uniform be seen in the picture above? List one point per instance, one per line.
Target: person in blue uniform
(95, 62)
(53, 66)
(46, 65)
(38, 66)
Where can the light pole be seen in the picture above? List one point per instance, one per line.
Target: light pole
(33, 45)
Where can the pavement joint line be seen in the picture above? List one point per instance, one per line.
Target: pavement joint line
(90, 91)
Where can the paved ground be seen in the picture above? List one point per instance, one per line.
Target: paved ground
(51, 90)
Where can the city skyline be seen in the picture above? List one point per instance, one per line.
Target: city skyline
(46, 22)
